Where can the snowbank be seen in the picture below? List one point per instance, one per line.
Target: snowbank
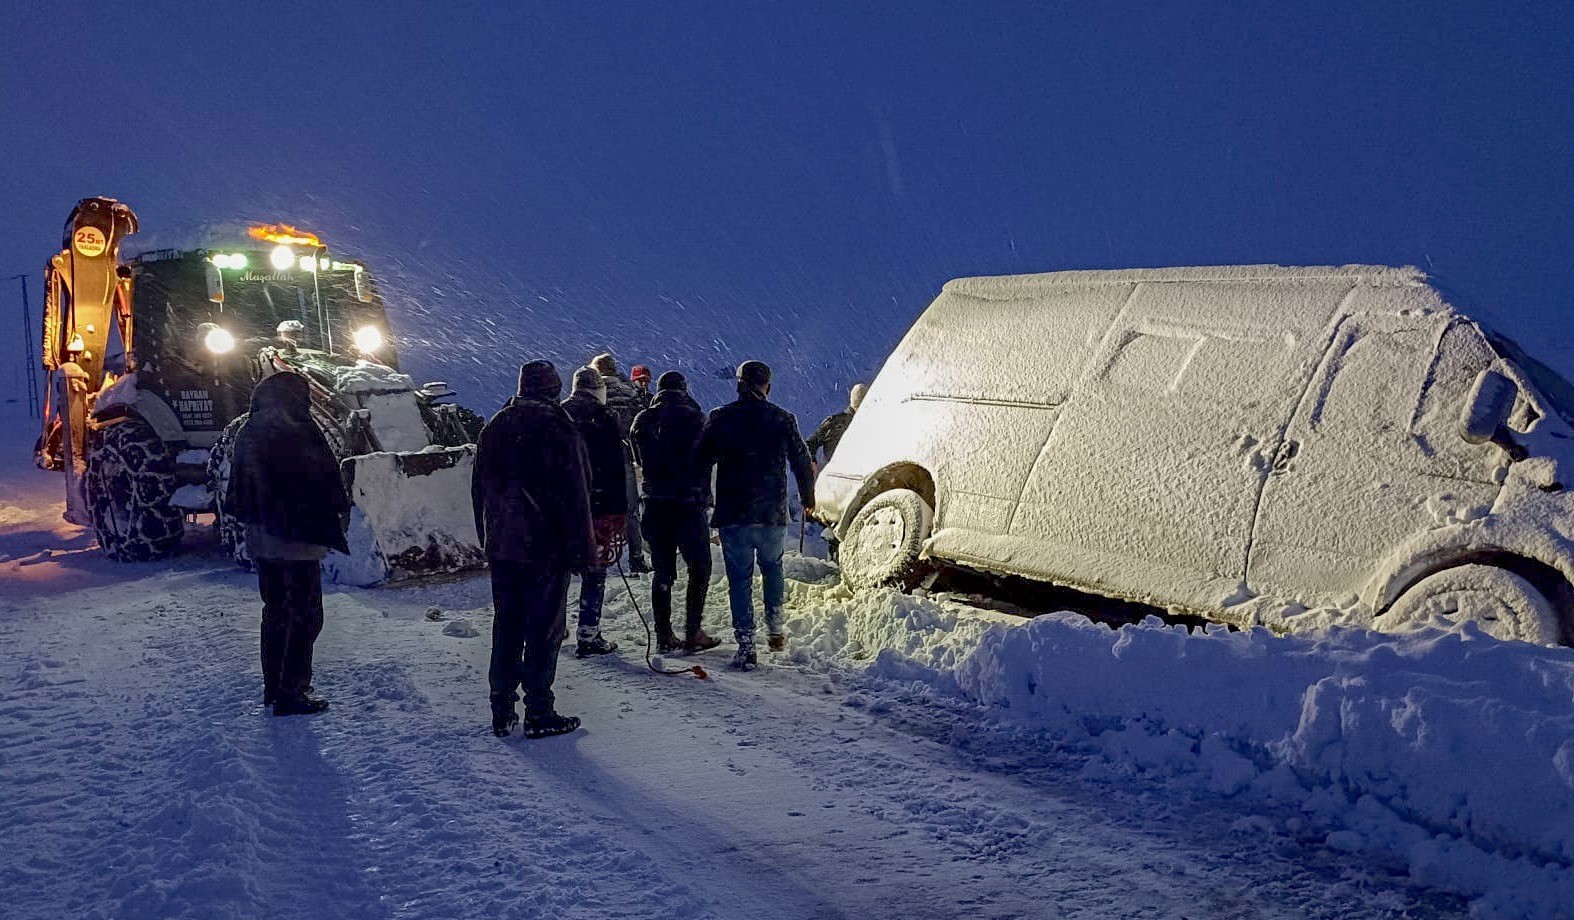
(1448, 751)
(370, 377)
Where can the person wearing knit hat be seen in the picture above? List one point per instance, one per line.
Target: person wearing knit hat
(640, 375)
(625, 401)
(751, 443)
(830, 432)
(531, 492)
(676, 493)
(586, 405)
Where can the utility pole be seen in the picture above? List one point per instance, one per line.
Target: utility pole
(28, 360)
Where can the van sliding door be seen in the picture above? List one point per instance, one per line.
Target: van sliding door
(1377, 458)
(1149, 483)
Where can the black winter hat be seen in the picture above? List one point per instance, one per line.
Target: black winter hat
(754, 373)
(672, 380)
(540, 378)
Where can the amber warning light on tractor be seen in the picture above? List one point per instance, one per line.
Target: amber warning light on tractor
(283, 234)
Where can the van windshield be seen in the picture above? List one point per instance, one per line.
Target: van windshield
(1554, 388)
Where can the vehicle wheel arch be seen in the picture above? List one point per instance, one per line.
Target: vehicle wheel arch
(1556, 585)
(903, 474)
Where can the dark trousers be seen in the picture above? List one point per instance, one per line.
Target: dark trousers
(592, 598)
(529, 621)
(291, 620)
(672, 528)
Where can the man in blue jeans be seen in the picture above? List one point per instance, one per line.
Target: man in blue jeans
(751, 442)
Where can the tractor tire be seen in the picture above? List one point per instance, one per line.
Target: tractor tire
(883, 543)
(232, 533)
(1504, 604)
(130, 478)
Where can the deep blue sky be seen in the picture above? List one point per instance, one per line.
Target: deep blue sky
(697, 183)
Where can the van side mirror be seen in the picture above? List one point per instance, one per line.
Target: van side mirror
(1487, 410)
(215, 282)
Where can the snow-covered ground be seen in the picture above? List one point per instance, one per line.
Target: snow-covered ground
(906, 757)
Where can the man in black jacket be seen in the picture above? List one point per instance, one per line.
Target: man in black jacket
(586, 405)
(531, 495)
(749, 441)
(677, 491)
(625, 401)
(285, 487)
(830, 432)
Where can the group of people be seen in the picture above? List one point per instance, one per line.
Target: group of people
(553, 498)
(560, 487)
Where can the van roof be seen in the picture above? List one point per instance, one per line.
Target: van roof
(1005, 287)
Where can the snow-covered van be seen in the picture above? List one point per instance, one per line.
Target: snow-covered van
(1265, 445)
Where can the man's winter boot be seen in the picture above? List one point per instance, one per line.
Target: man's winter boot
(548, 724)
(700, 641)
(503, 721)
(299, 705)
(596, 645)
(638, 566)
(666, 642)
(778, 642)
(745, 659)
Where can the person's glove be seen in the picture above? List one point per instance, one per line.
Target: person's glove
(610, 537)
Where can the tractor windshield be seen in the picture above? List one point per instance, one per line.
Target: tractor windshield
(255, 303)
(174, 302)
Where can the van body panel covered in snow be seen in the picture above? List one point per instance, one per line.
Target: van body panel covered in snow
(1195, 437)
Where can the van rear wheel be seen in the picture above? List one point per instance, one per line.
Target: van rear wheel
(883, 543)
(1504, 604)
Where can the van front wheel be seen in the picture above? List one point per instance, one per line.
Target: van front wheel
(883, 543)
(1504, 604)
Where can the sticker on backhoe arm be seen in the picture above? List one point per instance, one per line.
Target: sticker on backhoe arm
(89, 241)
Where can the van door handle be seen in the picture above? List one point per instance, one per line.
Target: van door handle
(1285, 453)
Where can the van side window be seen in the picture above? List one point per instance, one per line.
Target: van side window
(1375, 381)
(1237, 372)
(1151, 362)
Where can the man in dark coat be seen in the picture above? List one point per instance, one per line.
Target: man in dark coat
(625, 401)
(285, 487)
(586, 405)
(830, 432)
(677, 491)
(750, 442)
(531, 494)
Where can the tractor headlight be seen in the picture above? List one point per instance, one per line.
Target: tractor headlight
(281, 257)
(368, 339)
(217, 339)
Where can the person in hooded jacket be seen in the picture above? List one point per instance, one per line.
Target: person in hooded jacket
(530, 489)
(286, 489)
(586, 405)
(625, 401)
(830, 432)
(750, 442)
(677, 491)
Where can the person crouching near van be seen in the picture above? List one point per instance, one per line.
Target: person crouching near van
(285, 487)
(530, 491)
(665, 438)
(830, 432)
(587, 406)
(749, 442)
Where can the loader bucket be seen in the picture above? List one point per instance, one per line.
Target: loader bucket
(411, 516)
